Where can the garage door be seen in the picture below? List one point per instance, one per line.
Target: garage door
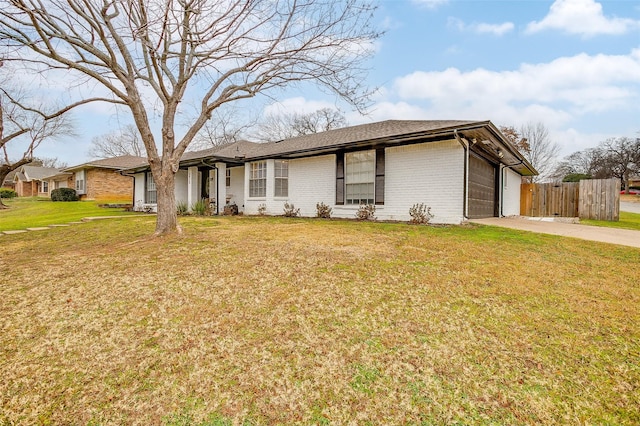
(482, 188)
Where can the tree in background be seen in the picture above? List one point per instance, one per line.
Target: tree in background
(186, 58)
(126, 141)
(277, 127)
(621, 157)
(227, 125)
(27, 123)
(51, 162)
(614, 158)
(535, 144)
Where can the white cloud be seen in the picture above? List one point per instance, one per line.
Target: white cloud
(584, 82)
(431, 4)
(481, 28)
(583, 17)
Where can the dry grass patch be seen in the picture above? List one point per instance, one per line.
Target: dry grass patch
(292, 321)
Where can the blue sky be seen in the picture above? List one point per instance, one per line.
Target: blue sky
(573, 65)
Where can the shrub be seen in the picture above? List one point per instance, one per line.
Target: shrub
(64, 194)
(182, 208)
(290, 210)
(262, 209)
(7, 193)
(366, 212)
(199, 207)
(323, 210)
(420, 214)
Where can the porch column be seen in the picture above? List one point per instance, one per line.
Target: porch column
(193, 188)
(221, 170)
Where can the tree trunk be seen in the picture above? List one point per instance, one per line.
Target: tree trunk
(167, 219)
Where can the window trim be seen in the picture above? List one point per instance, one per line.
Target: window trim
(150, 188)
(283, 180)
(359, 178)
(378, 178)
(258, 179)
(80, 182)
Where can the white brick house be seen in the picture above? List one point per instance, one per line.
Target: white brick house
(461, 169)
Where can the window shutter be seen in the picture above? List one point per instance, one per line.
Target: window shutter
(380, 176)
(340, 178)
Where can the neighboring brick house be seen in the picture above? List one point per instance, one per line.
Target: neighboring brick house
(101, 179)
(32, 181)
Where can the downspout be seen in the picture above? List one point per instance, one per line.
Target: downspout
(133, 194)
(465, 147)
(502, 167)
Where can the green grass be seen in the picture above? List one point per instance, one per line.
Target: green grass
(260, 321)
(627, 221)
(37, 212)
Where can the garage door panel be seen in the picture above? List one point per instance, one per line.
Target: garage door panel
(482, 188)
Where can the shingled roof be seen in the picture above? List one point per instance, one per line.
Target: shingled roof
(29, 173)
(383, 133)
(116, 163)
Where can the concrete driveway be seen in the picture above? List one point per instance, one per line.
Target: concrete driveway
(628, 206)
(623, 237)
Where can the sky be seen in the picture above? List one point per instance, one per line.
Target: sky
(573, 65)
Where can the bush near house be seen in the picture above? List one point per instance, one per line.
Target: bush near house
(64, 194)
(7, 193)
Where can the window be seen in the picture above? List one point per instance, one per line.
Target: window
(151, 193)
(281, 178)
(360, 176)
(227, 174)
(44, 186)
(80, 187)
(258, 179)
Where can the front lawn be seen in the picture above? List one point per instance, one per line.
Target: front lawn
(35, 212)
(261, 321)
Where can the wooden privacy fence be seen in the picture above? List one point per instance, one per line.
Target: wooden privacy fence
(597, 199)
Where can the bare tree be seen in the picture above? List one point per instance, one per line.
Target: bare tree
(126, 141)
(534, 142)
(28, 125)
(275, 127)
(613, 158)
(227, 125)
(621, 157)
(152, 53)
(53, 162)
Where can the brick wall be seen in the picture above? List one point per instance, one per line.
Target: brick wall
(107, 185)
(26, 189)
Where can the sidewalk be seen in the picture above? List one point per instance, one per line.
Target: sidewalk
(625, 237)
(83, 220)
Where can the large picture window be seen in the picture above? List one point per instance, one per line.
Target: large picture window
(360, 176)
(151, 193)
(258, 179)
(281, 178)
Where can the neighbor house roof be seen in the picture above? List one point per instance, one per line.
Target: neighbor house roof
(29, 173)
(115, 163)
